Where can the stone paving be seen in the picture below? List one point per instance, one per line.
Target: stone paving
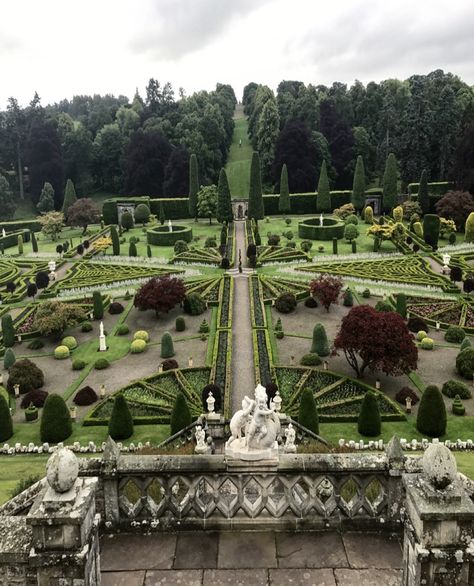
(251, 559)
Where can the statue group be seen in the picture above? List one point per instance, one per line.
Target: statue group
(254, 429)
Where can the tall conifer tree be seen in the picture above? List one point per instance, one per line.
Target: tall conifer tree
(193, 185)
(423, 197)
(256, 209)
(69, 197)
(389, 197)
(323, 199)
(358, 186)
(284, 205)
(224, 205)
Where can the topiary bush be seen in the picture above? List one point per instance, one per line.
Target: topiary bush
(383, 306)
(56, 423)
(308, 414)
(122, 329)
(121, 421)
(61, 352)
(306, 245)
(348, 298)
(225, 263)
(78, 364)
(98, 305)
(420, 335)
(85, 396)
(180, 415)
(194, 304)
(8, 359)
(216, 393)
(86, 327)
(6, 423)
(320, 344)
(457, 407)
(273, 240)
(369, 423)
(70, 342)
(115, 308)
(204, 327)
(454, 334)
(141, 335)
(36, 398)
(210, 242)
(415, 324)
(466, 343)
(366, 293)
(26, 374)
(310, 359)
(465, 363)
(402, 395)
(285, 303)
(169, 364)
(101, 364)
(8, 331)
(35, 344)
(431, 419)
(167, 348)
(180, 246)
(427, 343)
(137, 346)
(310, 302)
(452, 387)
(180, 324)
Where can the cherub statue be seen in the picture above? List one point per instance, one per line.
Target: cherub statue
(240, 419)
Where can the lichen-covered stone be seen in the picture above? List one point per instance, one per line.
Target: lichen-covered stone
(62, 470)
(439, 466)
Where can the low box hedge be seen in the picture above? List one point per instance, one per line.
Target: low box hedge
(161, 235)
(311, 229)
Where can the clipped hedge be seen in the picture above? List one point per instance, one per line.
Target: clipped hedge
(311, 229)
(434, 188)
(11, 239)
(161, 235)
(61, 352)
(137, 346)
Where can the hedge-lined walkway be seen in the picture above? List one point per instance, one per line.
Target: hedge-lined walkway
(243, 380)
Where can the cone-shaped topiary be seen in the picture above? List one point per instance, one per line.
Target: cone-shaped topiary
(255, 207)
(348, 298)
(115, 241)
(423, 196)
(358, 185)
(320, 344)
(469, 228)
(369, 422)
(369, 215)
(224, 205)
(34, 242)
(8, 331)
(70, 197)
(56, 423)
(284, 205)
(431, 419)
(180, 416)
(323, 199)
(132, 249)
(8, 359)
(167, 348)
(6, 424)
(98, 305)
(121, 421)
(431, 225)
(402, 304)
(308, 414)
(390, 175)
(193, 186)
(466, 343)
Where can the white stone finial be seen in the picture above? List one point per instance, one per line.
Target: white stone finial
(62, 470)
(210, 402)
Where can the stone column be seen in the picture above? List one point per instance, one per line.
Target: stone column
(110, 458)
(396, 468)
(64, 526)
(438, 548)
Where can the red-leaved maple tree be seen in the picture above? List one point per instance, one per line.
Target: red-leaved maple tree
(326, 289)
(377, 340)
(160, 294)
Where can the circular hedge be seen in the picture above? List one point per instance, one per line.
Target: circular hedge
(137, 346)
(161, 235)
(61, 352)
(310, 229)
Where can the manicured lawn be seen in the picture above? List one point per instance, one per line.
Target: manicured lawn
(238, 164)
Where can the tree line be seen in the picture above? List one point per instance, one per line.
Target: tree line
(109, 143)
(427, 121)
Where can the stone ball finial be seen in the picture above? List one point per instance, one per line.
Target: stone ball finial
(62, 470)
(439, 466)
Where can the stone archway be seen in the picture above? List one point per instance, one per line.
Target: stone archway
(240, 208)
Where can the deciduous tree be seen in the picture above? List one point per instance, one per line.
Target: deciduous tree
(377, 340)
(207, 202)
(7, 201)
(456, 205)
(160, 294)
(326, 289)
(82, 213)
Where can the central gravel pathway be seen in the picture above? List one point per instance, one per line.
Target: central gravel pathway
(243, 379)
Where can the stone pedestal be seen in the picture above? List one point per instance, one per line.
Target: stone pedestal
(64, 533)
(102, 344)
(237, 450)
(438, 547)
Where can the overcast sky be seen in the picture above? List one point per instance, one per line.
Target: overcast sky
(60, 48)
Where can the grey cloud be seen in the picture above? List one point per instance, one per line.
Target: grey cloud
(179, 27)
(369, 42)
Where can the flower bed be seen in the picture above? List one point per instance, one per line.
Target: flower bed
(448, 313)
(202, 256)
(279, 254)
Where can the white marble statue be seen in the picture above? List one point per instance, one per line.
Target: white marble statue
(260, 426)
(321, 220)
(3, 232)
(170, 226)
(290, 446)
(200, 436)
(102, 342)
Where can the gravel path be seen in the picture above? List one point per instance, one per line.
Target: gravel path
(243, 379)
